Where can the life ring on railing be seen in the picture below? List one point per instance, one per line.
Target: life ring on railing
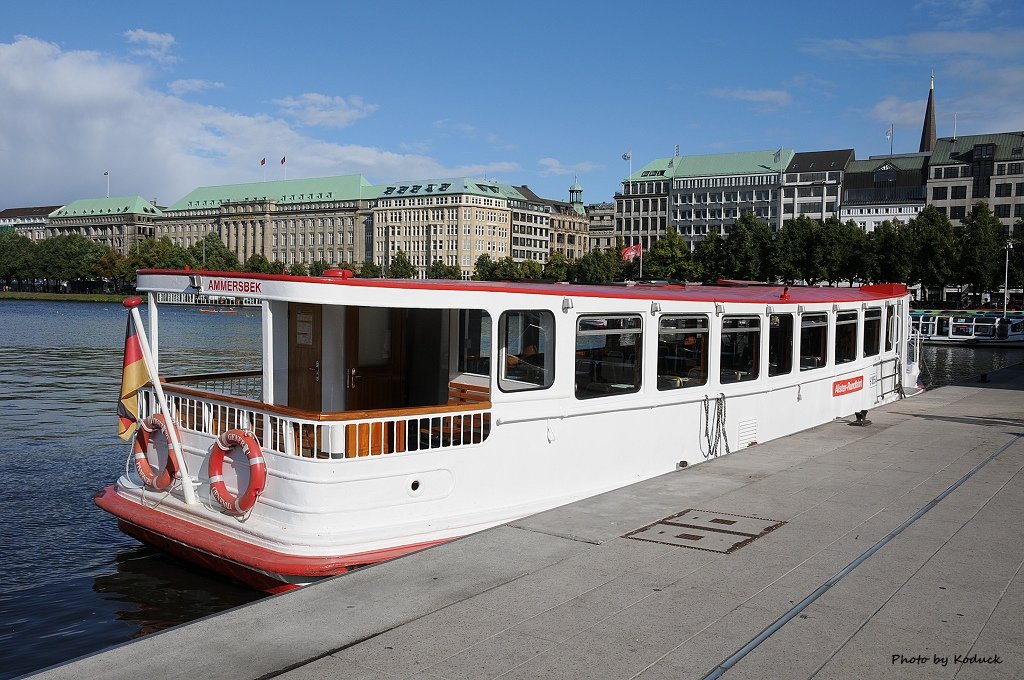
(141, 445)
(257, 471)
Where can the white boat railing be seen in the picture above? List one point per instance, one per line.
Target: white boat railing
(329, 436)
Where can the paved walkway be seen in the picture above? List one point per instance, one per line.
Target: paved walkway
(563, 594)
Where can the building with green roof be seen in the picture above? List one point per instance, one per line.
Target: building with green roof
(346, 220)
(965, 170)
(118, 222)
(697, 194)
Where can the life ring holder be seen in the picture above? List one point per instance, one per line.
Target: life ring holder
(140, 446)
(246, 441)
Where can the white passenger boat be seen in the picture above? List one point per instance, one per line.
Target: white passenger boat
(392, 415)
(959, 327)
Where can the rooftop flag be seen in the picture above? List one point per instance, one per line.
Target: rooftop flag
(106, 173)
(263, 161)
(888, 133)
(778, 155)
(133, 376)
(627, 156)
(633, 251)
(282, 159)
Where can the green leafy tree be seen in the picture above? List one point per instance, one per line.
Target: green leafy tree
(68, 258)
(439, 270)
(710, 257)
(298, 269)
(318, 268)
(804, 235)
(748, 249)
(935, 249)
(557, 267)
(369, 270)
(531, 269)
(669, 258)
(892, 252)
(258, 264)
(507, 269)
(277, 267)
(854, 244)
(401, 267)
(980, 249)
(17, 258)
(485, 269)
(598, 266)
(213, 255)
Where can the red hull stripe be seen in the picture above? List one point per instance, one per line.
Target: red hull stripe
(193, 538)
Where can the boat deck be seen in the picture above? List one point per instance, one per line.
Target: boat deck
(565, 594)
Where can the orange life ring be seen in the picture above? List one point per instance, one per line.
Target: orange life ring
(257, 471)
(141, 445)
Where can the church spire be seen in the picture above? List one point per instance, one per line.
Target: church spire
(928, 130)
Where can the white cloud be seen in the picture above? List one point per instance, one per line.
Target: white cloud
(471, 132)
(155, 46)
(901, 112)
(769, 99)
(944, 45)
(552, 166)
(180, 87)
(323, 110)
(71, 115)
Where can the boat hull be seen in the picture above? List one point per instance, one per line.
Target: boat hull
(262, 569)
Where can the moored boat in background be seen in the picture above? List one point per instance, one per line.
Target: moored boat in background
(965, 327)
(388, 415)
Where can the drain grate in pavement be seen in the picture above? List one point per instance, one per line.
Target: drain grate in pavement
(706, 530)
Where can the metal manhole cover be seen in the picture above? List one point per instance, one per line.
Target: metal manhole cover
(706, 530)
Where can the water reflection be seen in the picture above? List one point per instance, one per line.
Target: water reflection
(152, 591)
(72, 583)
(945, 364)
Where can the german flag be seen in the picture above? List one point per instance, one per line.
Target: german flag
(133, 376)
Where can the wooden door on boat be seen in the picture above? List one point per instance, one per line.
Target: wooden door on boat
(374, 358)
(305, 359)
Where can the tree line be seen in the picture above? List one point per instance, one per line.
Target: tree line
(928, 250)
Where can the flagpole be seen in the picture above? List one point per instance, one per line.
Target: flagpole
(132, 304)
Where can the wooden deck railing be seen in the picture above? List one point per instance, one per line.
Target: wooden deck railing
(342, 435)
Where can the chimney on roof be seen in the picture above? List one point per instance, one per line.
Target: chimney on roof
(928, 130)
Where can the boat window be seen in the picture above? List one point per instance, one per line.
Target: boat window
(608, 355)
(890, 327)
(872, 331)
(846, 337)
(813, 341)
(780, 344)
(474, 341)
(741, 347)
(682, 351)
(527, 345)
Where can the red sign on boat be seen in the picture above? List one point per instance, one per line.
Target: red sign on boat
(841, 387)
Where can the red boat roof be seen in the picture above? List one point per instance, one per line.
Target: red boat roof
(730, 292)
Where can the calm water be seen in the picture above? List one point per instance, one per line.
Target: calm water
(70, 582)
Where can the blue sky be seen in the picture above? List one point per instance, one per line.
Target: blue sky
(170, 96)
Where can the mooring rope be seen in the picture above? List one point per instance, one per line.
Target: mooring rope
(717, 432)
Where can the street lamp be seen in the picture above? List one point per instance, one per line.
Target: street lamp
(1006, 276)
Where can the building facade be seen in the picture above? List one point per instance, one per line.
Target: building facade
(884, 188)
(299, 221)
(28, 222)
(119, 222)
(972, 168)
(601, 225)
(700, 194)
(813, 184)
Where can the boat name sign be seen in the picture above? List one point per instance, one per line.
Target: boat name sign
(841, 387)
(234, 286)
